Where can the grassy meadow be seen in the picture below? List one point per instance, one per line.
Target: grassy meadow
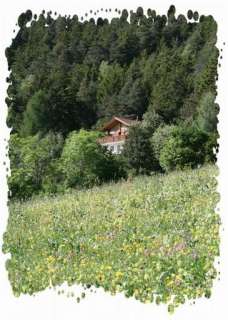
(154, 238)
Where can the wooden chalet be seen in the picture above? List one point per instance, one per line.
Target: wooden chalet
(116, 133)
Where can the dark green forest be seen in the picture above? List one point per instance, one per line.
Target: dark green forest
(70, 73)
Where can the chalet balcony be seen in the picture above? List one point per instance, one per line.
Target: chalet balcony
(112, 138)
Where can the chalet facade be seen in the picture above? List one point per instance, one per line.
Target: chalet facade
(116, 133)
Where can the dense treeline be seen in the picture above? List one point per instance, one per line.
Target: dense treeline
(68, 74)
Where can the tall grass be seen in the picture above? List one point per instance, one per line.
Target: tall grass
(154, 238)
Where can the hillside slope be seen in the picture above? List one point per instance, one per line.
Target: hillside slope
(152, 238)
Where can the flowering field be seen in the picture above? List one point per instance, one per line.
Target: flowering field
(154, 238)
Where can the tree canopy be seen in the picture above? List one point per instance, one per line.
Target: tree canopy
(67, 74)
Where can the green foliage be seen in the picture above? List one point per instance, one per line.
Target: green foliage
(159, 138)
(28, 15)
(171, 11)
(138, 153)
(206, 78)
(207, 113)
(82, 71)
(22, 20)
(139, 12)
(151, 238)
(196, 16)
(185, 147)
(211, 147)
(190, 14)
(124, 15)
(170, 88)
(151, 122)
(133, 98)
(33, 163)
(85, 162)
(35, 116)
(24, 17)
(110, 82)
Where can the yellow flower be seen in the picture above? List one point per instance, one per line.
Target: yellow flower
(50, 259)
(119, 274)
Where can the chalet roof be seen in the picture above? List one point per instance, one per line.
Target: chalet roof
(115, 120)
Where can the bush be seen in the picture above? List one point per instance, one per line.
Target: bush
(33, 162)
(151, 122)
(85, 162)
(211, 148)
(159, 138)
(186, 147)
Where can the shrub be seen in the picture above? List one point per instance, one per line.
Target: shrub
(159, 138)
(85, 162)
(33, 162)
(211, 148)
(187, 146)
(151, 122)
